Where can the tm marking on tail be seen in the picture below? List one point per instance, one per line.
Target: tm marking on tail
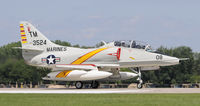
(33, 34)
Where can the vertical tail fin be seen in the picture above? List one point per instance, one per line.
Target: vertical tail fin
(32, 38)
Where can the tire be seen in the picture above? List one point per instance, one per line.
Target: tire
(139, 86)
(95, 84)
(79, 85)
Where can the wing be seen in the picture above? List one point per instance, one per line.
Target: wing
(76, 66)
(83, 66)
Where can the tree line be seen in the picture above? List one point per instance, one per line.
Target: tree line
(13, 68)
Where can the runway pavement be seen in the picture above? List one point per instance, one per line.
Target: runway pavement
(99, 91)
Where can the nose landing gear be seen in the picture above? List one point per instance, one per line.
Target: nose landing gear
(139, 79)
(140, 83)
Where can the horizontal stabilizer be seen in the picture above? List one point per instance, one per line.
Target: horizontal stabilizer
(183, 59)
(29, 49)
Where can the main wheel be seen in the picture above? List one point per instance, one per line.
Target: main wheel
(139, 85)
(95, 84)
(79, 85)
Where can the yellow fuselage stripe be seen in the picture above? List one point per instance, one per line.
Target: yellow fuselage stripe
(80, 60)
(87, 56)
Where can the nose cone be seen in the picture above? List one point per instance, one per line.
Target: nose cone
(169, 60)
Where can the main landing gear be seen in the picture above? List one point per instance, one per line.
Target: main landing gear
(79, 85)
(139, 79)
(94, 84)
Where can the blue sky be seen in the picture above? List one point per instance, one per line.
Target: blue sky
(170, 23)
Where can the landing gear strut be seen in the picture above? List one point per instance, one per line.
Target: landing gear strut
(79, 85)
(140, 83)
(138, 71)
(95, 84)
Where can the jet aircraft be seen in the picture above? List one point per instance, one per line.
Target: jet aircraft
(94, 64)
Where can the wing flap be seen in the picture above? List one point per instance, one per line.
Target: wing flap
(76, 66)
(107, 65)
(84, 66)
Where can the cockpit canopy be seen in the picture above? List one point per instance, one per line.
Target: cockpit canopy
(133, 44)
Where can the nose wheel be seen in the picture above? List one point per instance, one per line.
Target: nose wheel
(139, 79)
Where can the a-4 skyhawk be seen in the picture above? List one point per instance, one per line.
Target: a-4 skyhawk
(80, 65)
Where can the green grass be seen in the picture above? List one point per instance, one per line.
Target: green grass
(99, 99)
